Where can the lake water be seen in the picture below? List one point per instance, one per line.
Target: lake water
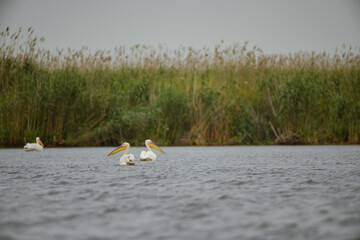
(237, 192)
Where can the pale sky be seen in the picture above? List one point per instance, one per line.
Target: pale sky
(276, 26)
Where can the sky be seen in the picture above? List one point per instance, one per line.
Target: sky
(276, 26)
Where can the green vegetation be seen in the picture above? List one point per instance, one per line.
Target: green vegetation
(228, 95)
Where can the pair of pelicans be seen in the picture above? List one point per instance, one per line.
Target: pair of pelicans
(126, 159)
(129, 159)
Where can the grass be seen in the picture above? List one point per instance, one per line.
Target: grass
(226, 95)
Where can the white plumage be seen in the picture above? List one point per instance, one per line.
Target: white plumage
(34, 147)
(149, 155)
(126, 158)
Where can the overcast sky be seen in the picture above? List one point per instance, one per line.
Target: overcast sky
(279, 26)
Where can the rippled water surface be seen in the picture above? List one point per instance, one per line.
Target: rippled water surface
(271, 192)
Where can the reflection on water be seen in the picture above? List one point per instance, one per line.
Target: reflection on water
(271, 192)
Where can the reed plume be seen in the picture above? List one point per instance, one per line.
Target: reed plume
(226, 95)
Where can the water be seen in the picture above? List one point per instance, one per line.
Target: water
(272, 192)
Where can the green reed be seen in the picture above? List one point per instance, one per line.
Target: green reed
(226, 95)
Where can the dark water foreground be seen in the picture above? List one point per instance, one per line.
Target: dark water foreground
(303, 192)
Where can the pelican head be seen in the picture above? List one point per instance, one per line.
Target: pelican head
(123, 146)
(150, 143)
(39, 141)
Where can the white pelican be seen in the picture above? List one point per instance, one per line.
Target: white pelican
(126, 159)
(149, 155)
(34, 147)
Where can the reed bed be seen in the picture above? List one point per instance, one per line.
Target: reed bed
(226, 95)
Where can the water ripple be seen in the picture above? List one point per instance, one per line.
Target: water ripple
(306, 192)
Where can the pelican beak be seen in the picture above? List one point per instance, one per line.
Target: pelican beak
(116, 150)
(153, 145)
(41, 143)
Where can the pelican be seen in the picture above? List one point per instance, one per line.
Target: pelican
(34, 147)
(126, 159)
(149, 155)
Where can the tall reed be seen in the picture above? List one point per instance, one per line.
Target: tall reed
(226, 95)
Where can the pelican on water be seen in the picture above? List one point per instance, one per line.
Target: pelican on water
(34, 147)
(149, 155)
(126, 159)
